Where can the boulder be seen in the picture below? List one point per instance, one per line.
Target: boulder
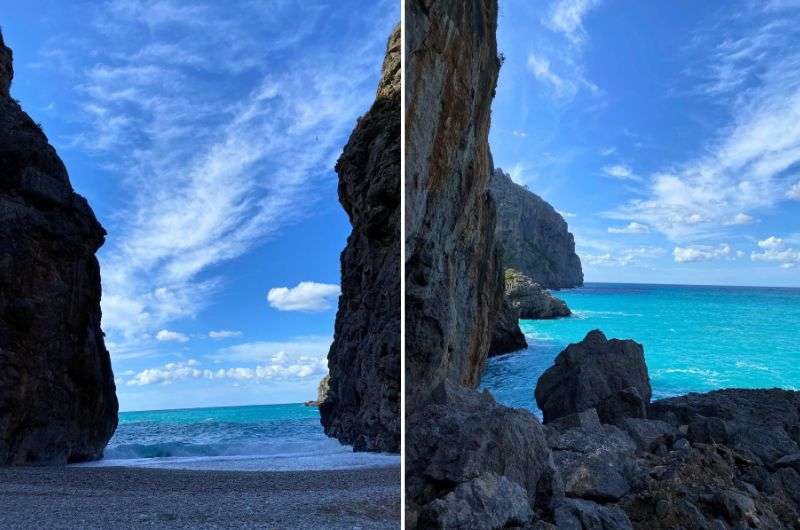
(608, 375)
(649, 434)
(507, 336)
(487, 501)
(530, 299)
(463, 434)
(58, 400)
(362, 405)
(577, 514)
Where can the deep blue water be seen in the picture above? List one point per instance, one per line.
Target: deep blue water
(266, 437)
(695, 338)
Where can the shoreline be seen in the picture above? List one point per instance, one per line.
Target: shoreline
(133, 497)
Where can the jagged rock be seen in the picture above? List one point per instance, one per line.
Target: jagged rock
(530, 299)
(649, 434)
(762, 424)
(610, 376)
(535, 238)
(322, 392)
(507, 336)
(577, 514)
(453, 275)
(487, 501)
(792, 461)
(57, 395)
(461, 434)
(586, 418)
(362, 406)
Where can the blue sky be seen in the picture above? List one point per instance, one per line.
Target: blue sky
(204, 135)
(667, 133)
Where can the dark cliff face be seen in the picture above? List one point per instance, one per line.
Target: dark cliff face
(453, 282)
(534, 237)
(458, 441)
(57, 393)
(362, 406)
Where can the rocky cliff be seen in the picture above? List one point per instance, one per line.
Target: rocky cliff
(362, 405)
(534, 236)
(460, 444)
(453, 282)
(57, 395)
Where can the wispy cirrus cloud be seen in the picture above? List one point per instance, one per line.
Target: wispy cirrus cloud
(750, 164)
(566, 16)
(211, 168)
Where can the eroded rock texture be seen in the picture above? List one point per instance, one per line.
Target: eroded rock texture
(530, 299)
(460, 444)
(453, 283)
(725, 459)
(607, 375)
(534, 236)
(362, 405)
(507, 336)
(57, 395)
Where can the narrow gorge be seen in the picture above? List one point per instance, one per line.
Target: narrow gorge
(57, 395)
(362, 401)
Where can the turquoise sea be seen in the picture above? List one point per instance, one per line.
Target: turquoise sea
(695, 338)
(265, 437)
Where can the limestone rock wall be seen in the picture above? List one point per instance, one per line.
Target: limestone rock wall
(534, 236)
(362, 405)
(57, 395)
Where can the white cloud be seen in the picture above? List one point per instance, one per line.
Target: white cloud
(794, 191)
(744, 166)
(519, 134)
(166, 335)
(777, 250)
(694, 253)
(567, 17)
(566, 215)
(620, 171)
(261, 351)
(168, 373)
(209, 168)
(277, 366)
(540, 68)
(631, 228)
(305, 296)
(224, 334)
(622, 257)
(739, 219)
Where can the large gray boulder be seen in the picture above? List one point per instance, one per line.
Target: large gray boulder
(462, 434)
(362, 404)
(531, 300)
(488, 502)
(608, 375)
(534, 236)
(58, 400)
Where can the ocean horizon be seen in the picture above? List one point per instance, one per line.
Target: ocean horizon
(696, 338)
(279, 437)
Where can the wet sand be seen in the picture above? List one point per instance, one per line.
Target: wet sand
(118, 497)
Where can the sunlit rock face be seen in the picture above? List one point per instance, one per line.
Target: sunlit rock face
(57, 394)
(362, 404)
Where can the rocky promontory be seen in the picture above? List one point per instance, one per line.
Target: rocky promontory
(530, 299)
(57, 395)
(362, 404)
(534, 237)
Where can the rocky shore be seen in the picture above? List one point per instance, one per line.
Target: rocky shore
(607, 457)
